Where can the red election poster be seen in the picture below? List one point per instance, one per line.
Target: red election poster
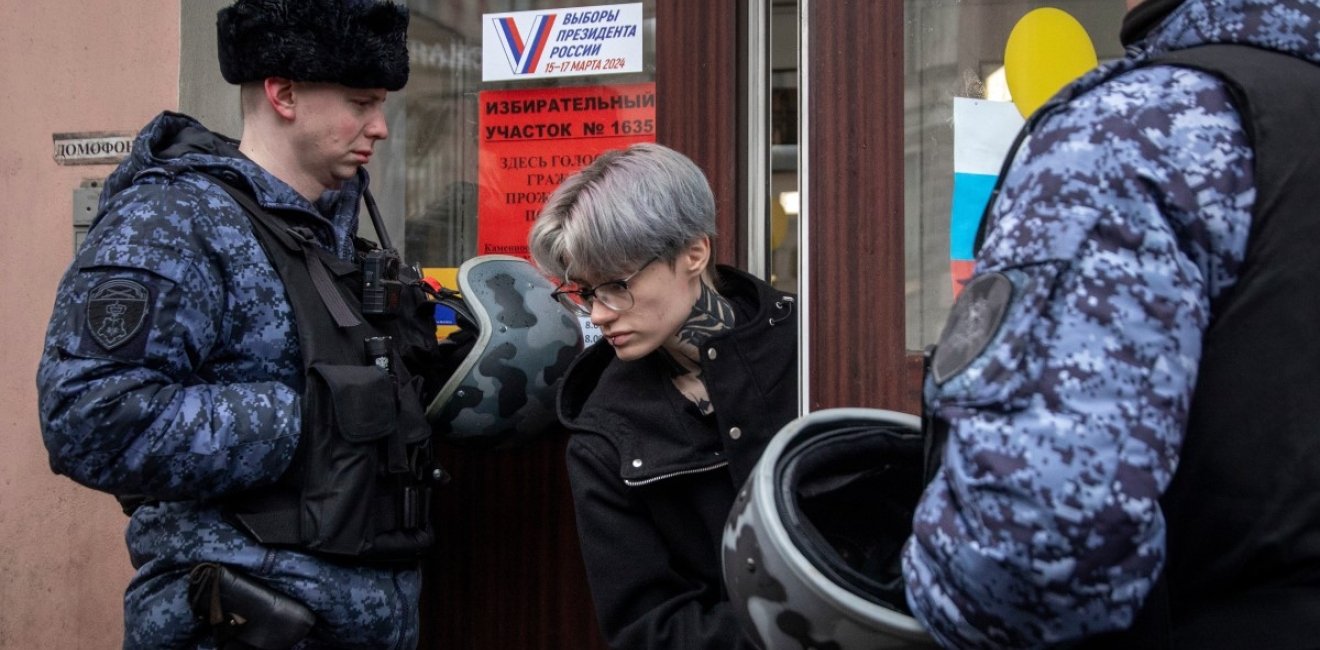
(531, 140)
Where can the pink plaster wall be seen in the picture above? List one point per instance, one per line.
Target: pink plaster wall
(107, 65)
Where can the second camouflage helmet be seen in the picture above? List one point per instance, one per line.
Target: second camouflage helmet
(812, 546)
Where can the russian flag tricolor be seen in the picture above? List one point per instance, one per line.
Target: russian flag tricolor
(983, 131)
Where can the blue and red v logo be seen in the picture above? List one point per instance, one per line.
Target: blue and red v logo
(523, 54)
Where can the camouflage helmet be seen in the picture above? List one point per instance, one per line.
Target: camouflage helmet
(812, 547)
(503, 391)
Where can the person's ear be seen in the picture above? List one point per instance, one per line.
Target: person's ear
(281, 97)
(696, 257)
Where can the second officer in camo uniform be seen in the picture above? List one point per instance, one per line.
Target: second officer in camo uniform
(1127, 382)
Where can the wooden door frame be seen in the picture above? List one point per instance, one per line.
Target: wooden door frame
(855, 301)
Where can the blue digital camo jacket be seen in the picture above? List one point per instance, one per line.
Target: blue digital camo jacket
(1122, 217)
(172, 371)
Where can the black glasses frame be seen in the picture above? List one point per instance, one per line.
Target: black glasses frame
(587, 295)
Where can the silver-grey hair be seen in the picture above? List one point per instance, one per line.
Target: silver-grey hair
(626, 208)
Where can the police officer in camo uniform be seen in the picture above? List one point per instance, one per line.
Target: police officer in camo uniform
(172, 369)
(1127, 382)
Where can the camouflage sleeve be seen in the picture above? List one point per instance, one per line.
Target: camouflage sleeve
(1123, 215)
(129, 402)
(644, 598)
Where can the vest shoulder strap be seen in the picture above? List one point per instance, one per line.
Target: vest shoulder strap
(271, 232)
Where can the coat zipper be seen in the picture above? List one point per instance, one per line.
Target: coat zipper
(673, 474)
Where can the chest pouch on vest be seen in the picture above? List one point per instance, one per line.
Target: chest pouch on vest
(365, 469)
(363, 479)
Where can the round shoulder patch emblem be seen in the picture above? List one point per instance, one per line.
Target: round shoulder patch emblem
(116, 311)
(973, 321)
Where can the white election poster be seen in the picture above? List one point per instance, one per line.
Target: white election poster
(604, 39)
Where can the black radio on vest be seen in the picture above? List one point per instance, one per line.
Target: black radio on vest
(381, 288)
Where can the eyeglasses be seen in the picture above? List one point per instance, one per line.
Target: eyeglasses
(613, 294)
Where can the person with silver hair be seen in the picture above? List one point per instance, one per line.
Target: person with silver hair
(671, 409)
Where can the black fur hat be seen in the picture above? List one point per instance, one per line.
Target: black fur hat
(355, 43)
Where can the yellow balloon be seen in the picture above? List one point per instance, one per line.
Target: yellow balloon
(1047, 49)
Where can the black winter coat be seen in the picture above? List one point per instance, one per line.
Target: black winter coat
(653, 480)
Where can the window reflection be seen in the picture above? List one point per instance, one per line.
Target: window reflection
(955, 49)
(440, 190)
(783, 106)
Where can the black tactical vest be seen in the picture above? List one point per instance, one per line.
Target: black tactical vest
(362, 479)
(1243, 509)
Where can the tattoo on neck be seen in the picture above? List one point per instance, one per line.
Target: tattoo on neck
(711, 314)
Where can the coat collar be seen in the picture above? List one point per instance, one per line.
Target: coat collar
(662, 434)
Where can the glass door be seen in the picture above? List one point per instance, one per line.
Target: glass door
(960, 116)
(506, 98)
